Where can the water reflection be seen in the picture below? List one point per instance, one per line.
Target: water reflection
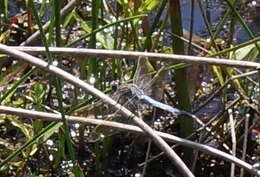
(252, 16)
(214, 10)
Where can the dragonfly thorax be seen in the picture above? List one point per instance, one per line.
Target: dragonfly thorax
(136, 91)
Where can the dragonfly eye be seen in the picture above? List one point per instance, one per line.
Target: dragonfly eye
(115, 85)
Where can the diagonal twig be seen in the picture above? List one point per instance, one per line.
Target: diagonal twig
(175, 159)
(129, 128)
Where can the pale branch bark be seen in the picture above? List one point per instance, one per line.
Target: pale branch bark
(233, 139)
(245, 142)
(136, 55)
(175, 159)
(30, 114)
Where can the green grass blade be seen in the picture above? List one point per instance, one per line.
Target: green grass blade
(242, 22)
(16, 85)
(104, 27)
(29, 143)
(57, 81)
(182, 82)
(4, 9)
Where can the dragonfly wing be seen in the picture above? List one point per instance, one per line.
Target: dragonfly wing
(152, 86)
(157, 83)
(143, 74)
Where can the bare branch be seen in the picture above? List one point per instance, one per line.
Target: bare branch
(128, 128)
(175, 159)
(135, 55)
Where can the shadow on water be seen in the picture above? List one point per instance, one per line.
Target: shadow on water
(213, 9)
(252, 15)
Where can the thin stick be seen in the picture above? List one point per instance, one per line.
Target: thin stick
(245, 142)
(175, 159)
(234, 140)
(136, 55)
(23, 113)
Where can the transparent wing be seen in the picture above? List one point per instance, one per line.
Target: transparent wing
(143, 75)
(143, 78)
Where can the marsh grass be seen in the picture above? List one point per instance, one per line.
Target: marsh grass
(119, 25)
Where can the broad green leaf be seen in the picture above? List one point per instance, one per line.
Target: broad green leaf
(3, 56)
(104, 38)
(51, 131)
(69, 18)
(151, 4)
(218, 73)
(236, 82)
(4, 37)
(243, 52)
(25, 129)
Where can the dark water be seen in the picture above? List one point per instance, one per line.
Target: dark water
(252, 15)
(214, 10)
(214, 13)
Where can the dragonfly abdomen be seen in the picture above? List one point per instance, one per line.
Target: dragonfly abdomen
(149, 100)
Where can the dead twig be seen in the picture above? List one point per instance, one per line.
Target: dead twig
(136, 55)
(23, 113)
(175, 159)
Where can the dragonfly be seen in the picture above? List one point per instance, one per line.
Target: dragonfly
(142, 83)
(138, 93)
(142, 89)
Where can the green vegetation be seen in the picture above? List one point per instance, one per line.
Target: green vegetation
(221, 97)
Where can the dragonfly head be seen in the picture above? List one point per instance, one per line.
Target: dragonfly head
(136, 90)
(115, 85)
